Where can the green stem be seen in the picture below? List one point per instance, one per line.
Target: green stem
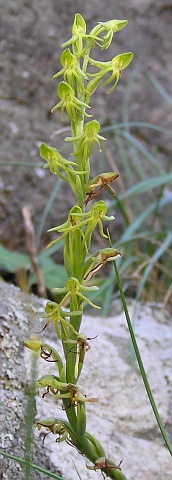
(140, 363)
(77, 254)
(77, 129)
(71, 355)
(71, 415)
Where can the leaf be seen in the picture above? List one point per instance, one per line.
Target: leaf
(147, 185)
(13, 261)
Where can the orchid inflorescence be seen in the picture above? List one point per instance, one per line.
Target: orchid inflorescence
(74, 91)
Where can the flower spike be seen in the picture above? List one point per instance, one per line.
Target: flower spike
(74, 90)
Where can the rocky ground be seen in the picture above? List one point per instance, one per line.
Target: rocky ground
(122, 419)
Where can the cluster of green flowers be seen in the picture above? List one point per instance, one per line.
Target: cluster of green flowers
(74, 93)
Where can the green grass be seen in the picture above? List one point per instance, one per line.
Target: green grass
(145, 240)
(30, 465)
(143, 203)
(144, 197)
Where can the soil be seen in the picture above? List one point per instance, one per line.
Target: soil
(31, 35)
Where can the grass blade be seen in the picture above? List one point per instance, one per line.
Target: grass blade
(32, 465)
(153, 80)
(141, 149)
(167, 242)
(75, 467)
(125, 125)
(140, 363)
(143, 216)
(144, 186)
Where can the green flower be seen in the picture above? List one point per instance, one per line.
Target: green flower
(69, 102)
(76, 395)
(92, 218)
(70, 226)
(77, 219)
(52, 383)
(54, 313)
(56, 163)
(110, 27)
(78, 35)
(71, 70)
(45, 351)
(73, 290)
(87, 139)
(116, 65)
(53, 426)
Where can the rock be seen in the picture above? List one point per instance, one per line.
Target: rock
(19, 317)
(122, 420)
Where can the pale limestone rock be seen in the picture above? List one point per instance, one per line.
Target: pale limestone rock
(122, 420)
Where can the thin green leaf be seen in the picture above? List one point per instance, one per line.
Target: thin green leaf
(145, 235)
(75, 467)
(143, 150)
(144, 216)
(159, 88)
(124, 125)
(32, 465)
(163, 247)
(124, 157)
(140, 363)
(146, 185)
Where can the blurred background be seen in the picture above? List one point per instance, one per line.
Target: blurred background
(135, 118)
